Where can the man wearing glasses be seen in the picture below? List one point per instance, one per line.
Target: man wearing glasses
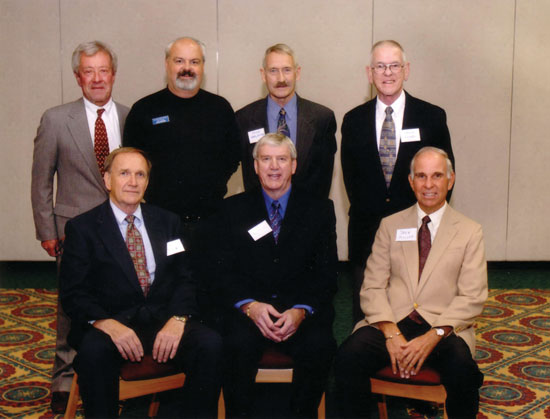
(379, 139)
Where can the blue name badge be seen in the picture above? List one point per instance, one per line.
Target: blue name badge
(161, 120)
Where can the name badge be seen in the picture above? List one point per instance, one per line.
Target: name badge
(173, 247)
(161, 120)
(254, 136)
(405, 235)
(257, 232)
(410, 135)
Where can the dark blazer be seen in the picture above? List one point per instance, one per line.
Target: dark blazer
(299, 269)
(316, 144)
(98, 279)
(370, 199)
(63, 146)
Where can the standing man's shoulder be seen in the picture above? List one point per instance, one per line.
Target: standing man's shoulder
(359, 112)
(246, 111)
(152, 100)
(60, 112)
(421, 106)
(314, 109)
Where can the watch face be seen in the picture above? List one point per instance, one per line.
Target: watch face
(439, 332)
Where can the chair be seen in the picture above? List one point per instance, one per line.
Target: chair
(426, 385)
(137, 379)
(275, 367)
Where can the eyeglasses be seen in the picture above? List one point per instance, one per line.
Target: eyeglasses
(394, 68)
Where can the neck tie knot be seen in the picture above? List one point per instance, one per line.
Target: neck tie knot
(130, 219)
(426, 220)
(389, 111)
(100, 112)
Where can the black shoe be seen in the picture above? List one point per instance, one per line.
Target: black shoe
(59, 401)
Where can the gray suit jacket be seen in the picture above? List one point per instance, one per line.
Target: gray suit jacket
(453, 285)
(63, 146)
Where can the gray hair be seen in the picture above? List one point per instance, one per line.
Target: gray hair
(281, 49)
(92, 48)
(388, 42)
(275, 139)
(436, 150)
(181, 38)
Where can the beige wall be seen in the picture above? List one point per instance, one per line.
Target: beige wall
(480, 60)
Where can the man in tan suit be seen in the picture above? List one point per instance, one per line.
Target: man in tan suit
(425, 282)
(65, 145)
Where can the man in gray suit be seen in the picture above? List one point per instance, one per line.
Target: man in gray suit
(72, 142)
(310, 126)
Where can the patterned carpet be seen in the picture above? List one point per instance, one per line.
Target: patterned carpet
(513, 351)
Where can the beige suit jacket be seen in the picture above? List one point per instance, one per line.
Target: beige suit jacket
(453, 285)
(63, 147)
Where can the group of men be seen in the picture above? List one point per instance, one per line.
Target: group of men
(141, 231)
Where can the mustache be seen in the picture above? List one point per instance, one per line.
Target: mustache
(281, 84)
(189, 73)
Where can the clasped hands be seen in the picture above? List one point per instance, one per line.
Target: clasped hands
(409, 356)
(130, 347)
(285, 325)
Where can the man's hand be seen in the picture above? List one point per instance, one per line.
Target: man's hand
(416, 351)
(53, 247)
(125, 339)
(167, 340)
(289, 322)
(260, 314)
(394, 344)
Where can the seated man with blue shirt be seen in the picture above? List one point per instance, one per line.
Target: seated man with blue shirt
(277, 264)
(126, 287)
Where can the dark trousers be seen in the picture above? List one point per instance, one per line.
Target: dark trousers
(199, 355)
(364, 353)
(311, 348)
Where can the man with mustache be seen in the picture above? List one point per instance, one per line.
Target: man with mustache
(72, 142)
(191, 137)
(310, 126)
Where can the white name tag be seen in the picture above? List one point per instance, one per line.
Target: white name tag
(173, 247)
(260, 230)
(405, 235)
(254, 136)
(410, 135)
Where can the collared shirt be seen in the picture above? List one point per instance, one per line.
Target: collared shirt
(140, 225)
(283, 200)
(110, 118)
(435, 219)
(398, 110)
(291, 109)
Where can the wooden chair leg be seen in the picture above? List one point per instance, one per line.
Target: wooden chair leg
(382, 408)
(153, 406)
(221, 406)
(70, 412)
(321, 409)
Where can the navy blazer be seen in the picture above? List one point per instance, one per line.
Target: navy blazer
(97, 275)
(370, 199)
(315, 144)
(299, 269)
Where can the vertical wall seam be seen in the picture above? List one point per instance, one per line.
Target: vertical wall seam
(218, 47)
(60, 51)
(507, 230)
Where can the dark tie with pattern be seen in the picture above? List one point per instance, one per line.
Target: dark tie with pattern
(424, 244)
(282, 127)
(275, 219)
(134, 242)
(387, 146)
(101, 143)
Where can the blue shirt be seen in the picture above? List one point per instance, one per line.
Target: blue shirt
(291, 109)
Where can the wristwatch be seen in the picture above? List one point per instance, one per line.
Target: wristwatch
(439, 331)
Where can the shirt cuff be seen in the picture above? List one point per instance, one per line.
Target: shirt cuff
(243, 302)
(309, 309)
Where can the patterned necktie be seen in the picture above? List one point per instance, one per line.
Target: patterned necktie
(424, 244)
(101, 143)
(275, 219)
(387, 146)
(282, 127)
(134, 242)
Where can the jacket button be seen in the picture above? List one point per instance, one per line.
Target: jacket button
(388, 199)
(276, 260)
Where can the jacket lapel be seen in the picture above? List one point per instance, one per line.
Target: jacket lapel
(447, 230)
(78, 127)
(109, 233)
(293, 215)
(157, 239)
(410, 248)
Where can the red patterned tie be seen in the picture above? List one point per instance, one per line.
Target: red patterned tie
(424, 243)
(101, 143)
(134, 242)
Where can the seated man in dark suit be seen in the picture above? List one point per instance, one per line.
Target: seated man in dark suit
(126, 288)
(278, 277)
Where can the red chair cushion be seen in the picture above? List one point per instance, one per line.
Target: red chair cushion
(426, 377)
(146, 369)
(275, 360)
